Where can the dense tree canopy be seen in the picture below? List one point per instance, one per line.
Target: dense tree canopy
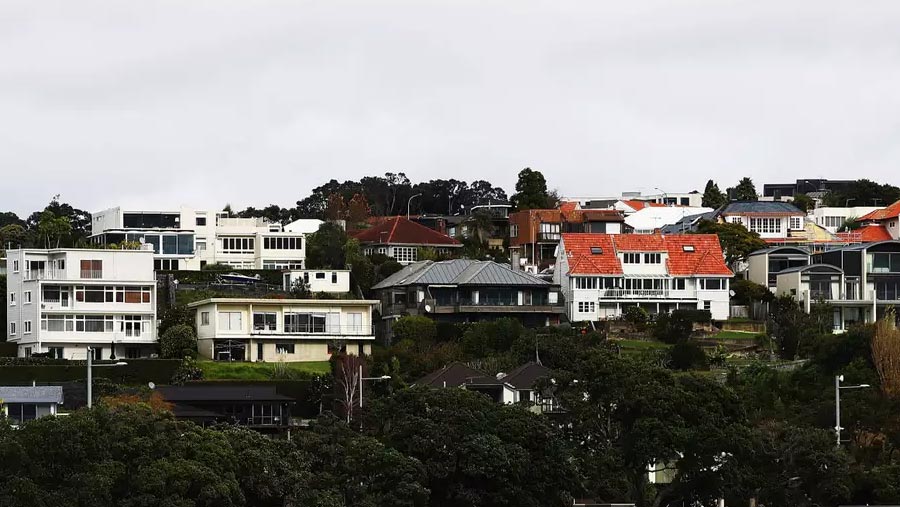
(712, 196)
(863, 193)
(737, 242)
(744, 191)
(531, 191)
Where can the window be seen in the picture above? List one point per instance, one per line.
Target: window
(131, 325)
(405, 254)
(678, 284)
(27, 297)
(586, 306)
(712, 284)
(230, 321)
(201, 221)
(549, 231)
(12, 328)
(264, 321)
(27, 327)
(16, 266)
(765, 225)
(334, 277)
(304, 322)
(12, 299)
(796, 223)
(165, 264)
(132, 352)
(586, 283)
(631, 258)
(736, 220)
(91, 269)
(55, 352)
(652, 258)
(707, 305)
(238, 245)
(320, 276)
(282, 264)
(596, 250)
(513, 231)
(200, 246)
(280, 243)
(284, 348)
(61, 264)
(204, 318)
(687, 248)
(833, 222)
(113, 294)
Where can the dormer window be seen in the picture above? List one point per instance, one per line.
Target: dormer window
(688, 248)
(596, 250)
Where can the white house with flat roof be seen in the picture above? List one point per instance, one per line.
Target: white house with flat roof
(188, 239)
(62, 301)
(318, 280)
(290, 330)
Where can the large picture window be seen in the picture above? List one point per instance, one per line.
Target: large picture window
(264, 321)
(304, 322)
(230, 321)
(765, 225)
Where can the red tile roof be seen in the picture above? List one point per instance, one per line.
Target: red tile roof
(892, 211)
(705, 259)
(867, 234)
(568, 206)
(401, 231)
(639, 205)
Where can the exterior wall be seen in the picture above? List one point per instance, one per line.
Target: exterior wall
(828, 217)
(758, 271)
(317, 284)
(745, 221)
(893, 227)
(347, 321)
(128, 327)
(789, 284)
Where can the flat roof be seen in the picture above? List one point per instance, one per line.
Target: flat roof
(274, 301)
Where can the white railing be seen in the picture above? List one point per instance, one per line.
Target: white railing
(633, 293)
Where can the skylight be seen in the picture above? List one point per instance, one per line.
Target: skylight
(687, 248)
(596, 250)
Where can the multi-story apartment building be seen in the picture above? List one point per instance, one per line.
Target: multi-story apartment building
(62, 301)
(602, 274)
(290, 330)
(189, 239)
(534, 234)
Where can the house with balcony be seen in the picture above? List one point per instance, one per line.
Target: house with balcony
(465, 290)
(871, 272)
(764, 265)
(62, 301)
(289, 330)
(850, 302)
(401, 238)
(534, 234)
(600, 275)
(188, 239)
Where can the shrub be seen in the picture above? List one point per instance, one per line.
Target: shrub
(636, 316)
(178, 341)
(673, 328)
(485, 338)
(187, 371)
(688, 356)
(416, 328)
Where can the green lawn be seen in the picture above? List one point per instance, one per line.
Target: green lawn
(733, 335)
(214, 370)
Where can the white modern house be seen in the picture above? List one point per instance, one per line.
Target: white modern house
(62, 301)
(289, 330)
(764, 265)
(318, 280)
(188, 239)
(601, 274)
(832, 218)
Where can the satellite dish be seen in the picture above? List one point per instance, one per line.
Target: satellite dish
(731, 293)
(427, 308)
(151, 385)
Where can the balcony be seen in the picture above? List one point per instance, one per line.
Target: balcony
(548, 237)
(489, 306)
(45, 274)
(315, 330)
(643, 294)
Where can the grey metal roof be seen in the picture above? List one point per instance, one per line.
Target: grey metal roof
(761, 207)
(459, 272)
(809, 267)
(31, 394)
(771, 250)
(687, 223)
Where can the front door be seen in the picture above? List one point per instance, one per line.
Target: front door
(259, 351)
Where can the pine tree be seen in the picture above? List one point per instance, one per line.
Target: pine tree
(712, 196)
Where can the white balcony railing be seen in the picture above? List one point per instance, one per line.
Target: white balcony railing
(636, 293)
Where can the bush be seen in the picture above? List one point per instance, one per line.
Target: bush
(175, 316)
(636, 316)
(745, 292)
(492, 337)
(420, 330)
(178, 342)
(693, 315)
(688, 356)
(137, 371)
(187, 371)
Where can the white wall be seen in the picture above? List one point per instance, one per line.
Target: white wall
(319, 280)
(819, 215)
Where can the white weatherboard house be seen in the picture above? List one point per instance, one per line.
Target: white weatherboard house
(319, 280)
(601, 274)
(63, 301)
(188, 239)
(289, 330)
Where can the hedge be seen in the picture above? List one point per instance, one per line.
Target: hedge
(42, 370)
(8, 349)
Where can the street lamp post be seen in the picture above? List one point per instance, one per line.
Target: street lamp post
(361, 379)
(665, 195)
(90, 365)
(409, 203)
(837, 405)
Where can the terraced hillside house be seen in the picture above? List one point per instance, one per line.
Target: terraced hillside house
(465, 290)
(401, 238)
(601, 275)
(62, 301)
(289, 330)
(189, 239)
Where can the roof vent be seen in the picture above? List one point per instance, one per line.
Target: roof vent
(687, 248)
(596, 250)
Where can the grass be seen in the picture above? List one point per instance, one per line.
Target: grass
(214, 370)
(733, 335)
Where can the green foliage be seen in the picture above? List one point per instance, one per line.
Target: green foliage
(217, 267)
(137, 372)
(686, 355)
(531, 191)
(673, 328)
(803, 202)
(388, 268)
(53, 229)
(737, 242)
(189, 370)
(362, 270)
(179, 315)
(747, 292)
(416, 329)
(325, 247)
(794, 331)
(636, 316)
(491, 337)
(712, 196)
(863, 193)
(744, 191)
(178, 342)
(222, 370)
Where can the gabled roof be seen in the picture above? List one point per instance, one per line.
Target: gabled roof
(31, 394)
(812, 267)
(402, 231)
(525, 376)
(770, 208)
(892, 211)
(459, 272)
(639, 205)
(453, 375)
(688, 254)
(866, 234)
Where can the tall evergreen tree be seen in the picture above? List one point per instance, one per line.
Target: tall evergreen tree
(531, 190)
(744, 191)
(712, 196)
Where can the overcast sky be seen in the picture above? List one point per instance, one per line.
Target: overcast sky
(156, 104)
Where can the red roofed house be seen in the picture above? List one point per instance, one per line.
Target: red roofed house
(602, 274)
(401, 238)
(886, 218)
(629, 206)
